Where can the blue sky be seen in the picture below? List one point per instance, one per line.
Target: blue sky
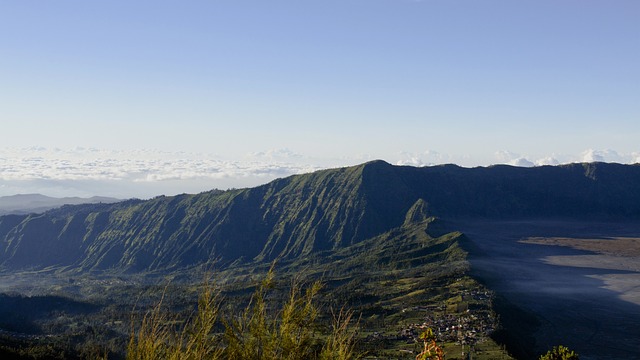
(99, 93)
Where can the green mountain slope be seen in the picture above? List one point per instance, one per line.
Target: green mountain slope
(302, 215)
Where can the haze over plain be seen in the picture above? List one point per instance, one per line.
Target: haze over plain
(155, 97)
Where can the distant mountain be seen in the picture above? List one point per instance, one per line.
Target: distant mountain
(303, 215)
(37, 203)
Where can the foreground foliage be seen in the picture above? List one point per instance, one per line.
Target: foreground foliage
(260, 331)
(560, 353)
(431, 350)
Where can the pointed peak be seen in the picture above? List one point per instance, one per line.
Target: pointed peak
(418, 212)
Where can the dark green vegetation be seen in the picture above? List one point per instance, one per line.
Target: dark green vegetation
(371, 233)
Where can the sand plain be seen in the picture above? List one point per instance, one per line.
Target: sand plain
(581, 280)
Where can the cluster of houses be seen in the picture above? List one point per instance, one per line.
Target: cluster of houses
(467, 325)
(467, 328)
(463, 315)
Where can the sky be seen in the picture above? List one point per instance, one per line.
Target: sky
(142, 98)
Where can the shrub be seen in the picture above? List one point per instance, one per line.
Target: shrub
(257, 332)
(431, 350)
(560, 353)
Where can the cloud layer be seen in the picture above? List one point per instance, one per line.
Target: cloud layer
(589, 155)
(506, 157)
(144, 172)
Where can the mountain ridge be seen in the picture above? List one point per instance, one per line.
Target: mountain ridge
(300, 215)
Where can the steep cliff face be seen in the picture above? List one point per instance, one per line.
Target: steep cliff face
(283, 219)
(301, 215)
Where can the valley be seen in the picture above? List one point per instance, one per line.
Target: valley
(406, 280)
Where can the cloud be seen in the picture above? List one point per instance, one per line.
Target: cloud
(608, 155)
(91, 164)
(508, 157)
(522, 162)
(411, 160)
(427, 158)
(589, 155)
(549, 160)
(513, 159)
(277, 154)
(111, 171)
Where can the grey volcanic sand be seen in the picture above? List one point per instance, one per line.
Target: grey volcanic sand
(588, 300)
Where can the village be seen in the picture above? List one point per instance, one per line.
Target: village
(461, 323)
(466, 327)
